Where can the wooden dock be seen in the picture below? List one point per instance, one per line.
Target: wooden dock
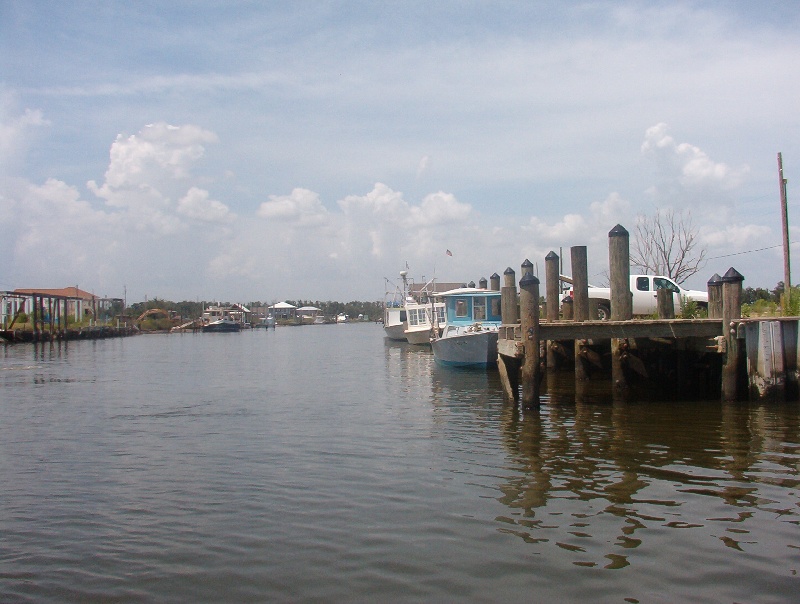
(724, 355)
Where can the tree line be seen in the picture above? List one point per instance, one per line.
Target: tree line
(188, 309)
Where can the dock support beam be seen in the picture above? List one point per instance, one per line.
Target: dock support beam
(552, 291)
(529, 314)
(731, 310)
(621, 303)
(580, 303)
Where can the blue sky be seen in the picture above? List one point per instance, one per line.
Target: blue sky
(262, 151)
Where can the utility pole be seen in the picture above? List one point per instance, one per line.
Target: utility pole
(787, 274)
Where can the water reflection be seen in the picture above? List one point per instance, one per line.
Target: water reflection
(600, 480)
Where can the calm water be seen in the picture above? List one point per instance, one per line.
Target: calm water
(326, 464)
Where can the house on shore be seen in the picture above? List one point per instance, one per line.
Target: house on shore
(71, 302)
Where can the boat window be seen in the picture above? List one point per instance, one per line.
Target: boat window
(480, 309)
(440, 315)
(495, 307)
(403, 317)
(461, 308)
(643, 284)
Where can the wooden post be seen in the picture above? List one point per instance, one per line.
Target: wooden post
(566, 309)
(731, 310)
(621, 303)
(529, 315)
(580, 283)
(494, 282)
(580, 303)
(482, 283)
(552, 292)
(666, 303)
(620, 272)
(714, 286)
(509, 311)
(527, 268)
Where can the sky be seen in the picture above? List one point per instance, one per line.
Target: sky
(263, 151)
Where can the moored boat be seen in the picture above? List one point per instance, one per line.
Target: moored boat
(395, 321)
(469, 338)
(424, 321)
(225, 324)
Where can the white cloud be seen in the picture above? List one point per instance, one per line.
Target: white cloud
(686, 175)
(15, 130)
(300, 208)
(197, 205)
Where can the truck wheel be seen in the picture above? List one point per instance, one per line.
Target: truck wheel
(603, 312)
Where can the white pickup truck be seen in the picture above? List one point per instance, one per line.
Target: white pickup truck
(645, 296)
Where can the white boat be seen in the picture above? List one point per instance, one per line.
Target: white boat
(395, 321)
(341, 318)
(425, 315)
(267, 322)
(424, 319)
(469, 338)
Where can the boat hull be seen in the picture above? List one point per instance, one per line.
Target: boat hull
(419, 337)
(477, 349)
(221, 327)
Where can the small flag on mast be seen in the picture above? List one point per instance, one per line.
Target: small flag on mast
(449, 253)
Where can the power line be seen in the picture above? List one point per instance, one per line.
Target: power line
(761, 249)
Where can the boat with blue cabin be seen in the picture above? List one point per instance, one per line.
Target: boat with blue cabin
(469, 338)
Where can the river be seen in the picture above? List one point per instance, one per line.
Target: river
(327, 464)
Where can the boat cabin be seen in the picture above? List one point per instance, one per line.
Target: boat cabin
(471, 305)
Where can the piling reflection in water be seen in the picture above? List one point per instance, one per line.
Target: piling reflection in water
(612, 485)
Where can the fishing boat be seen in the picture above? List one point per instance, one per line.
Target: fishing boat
(469, 338)
(424, 321)
(395, 320)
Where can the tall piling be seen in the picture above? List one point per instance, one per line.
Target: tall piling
(580, 303)
(621, 303)
(732, 389)
(509, 310)
(529, 316)
(552, 292)
(494, 282)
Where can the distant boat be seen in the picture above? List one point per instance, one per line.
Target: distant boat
(225, 318)
(341, 318)
(267, 322)
(469, 338)
(225, 324)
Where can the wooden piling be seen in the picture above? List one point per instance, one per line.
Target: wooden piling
(527, 268)
(580, 304)
(714, 287)
(552, 291)
(529, 315)
(580, 283)
(509, 310)
(621, 304)
(732, 359)
(482, 283)
(494, 282)
(666, 303)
